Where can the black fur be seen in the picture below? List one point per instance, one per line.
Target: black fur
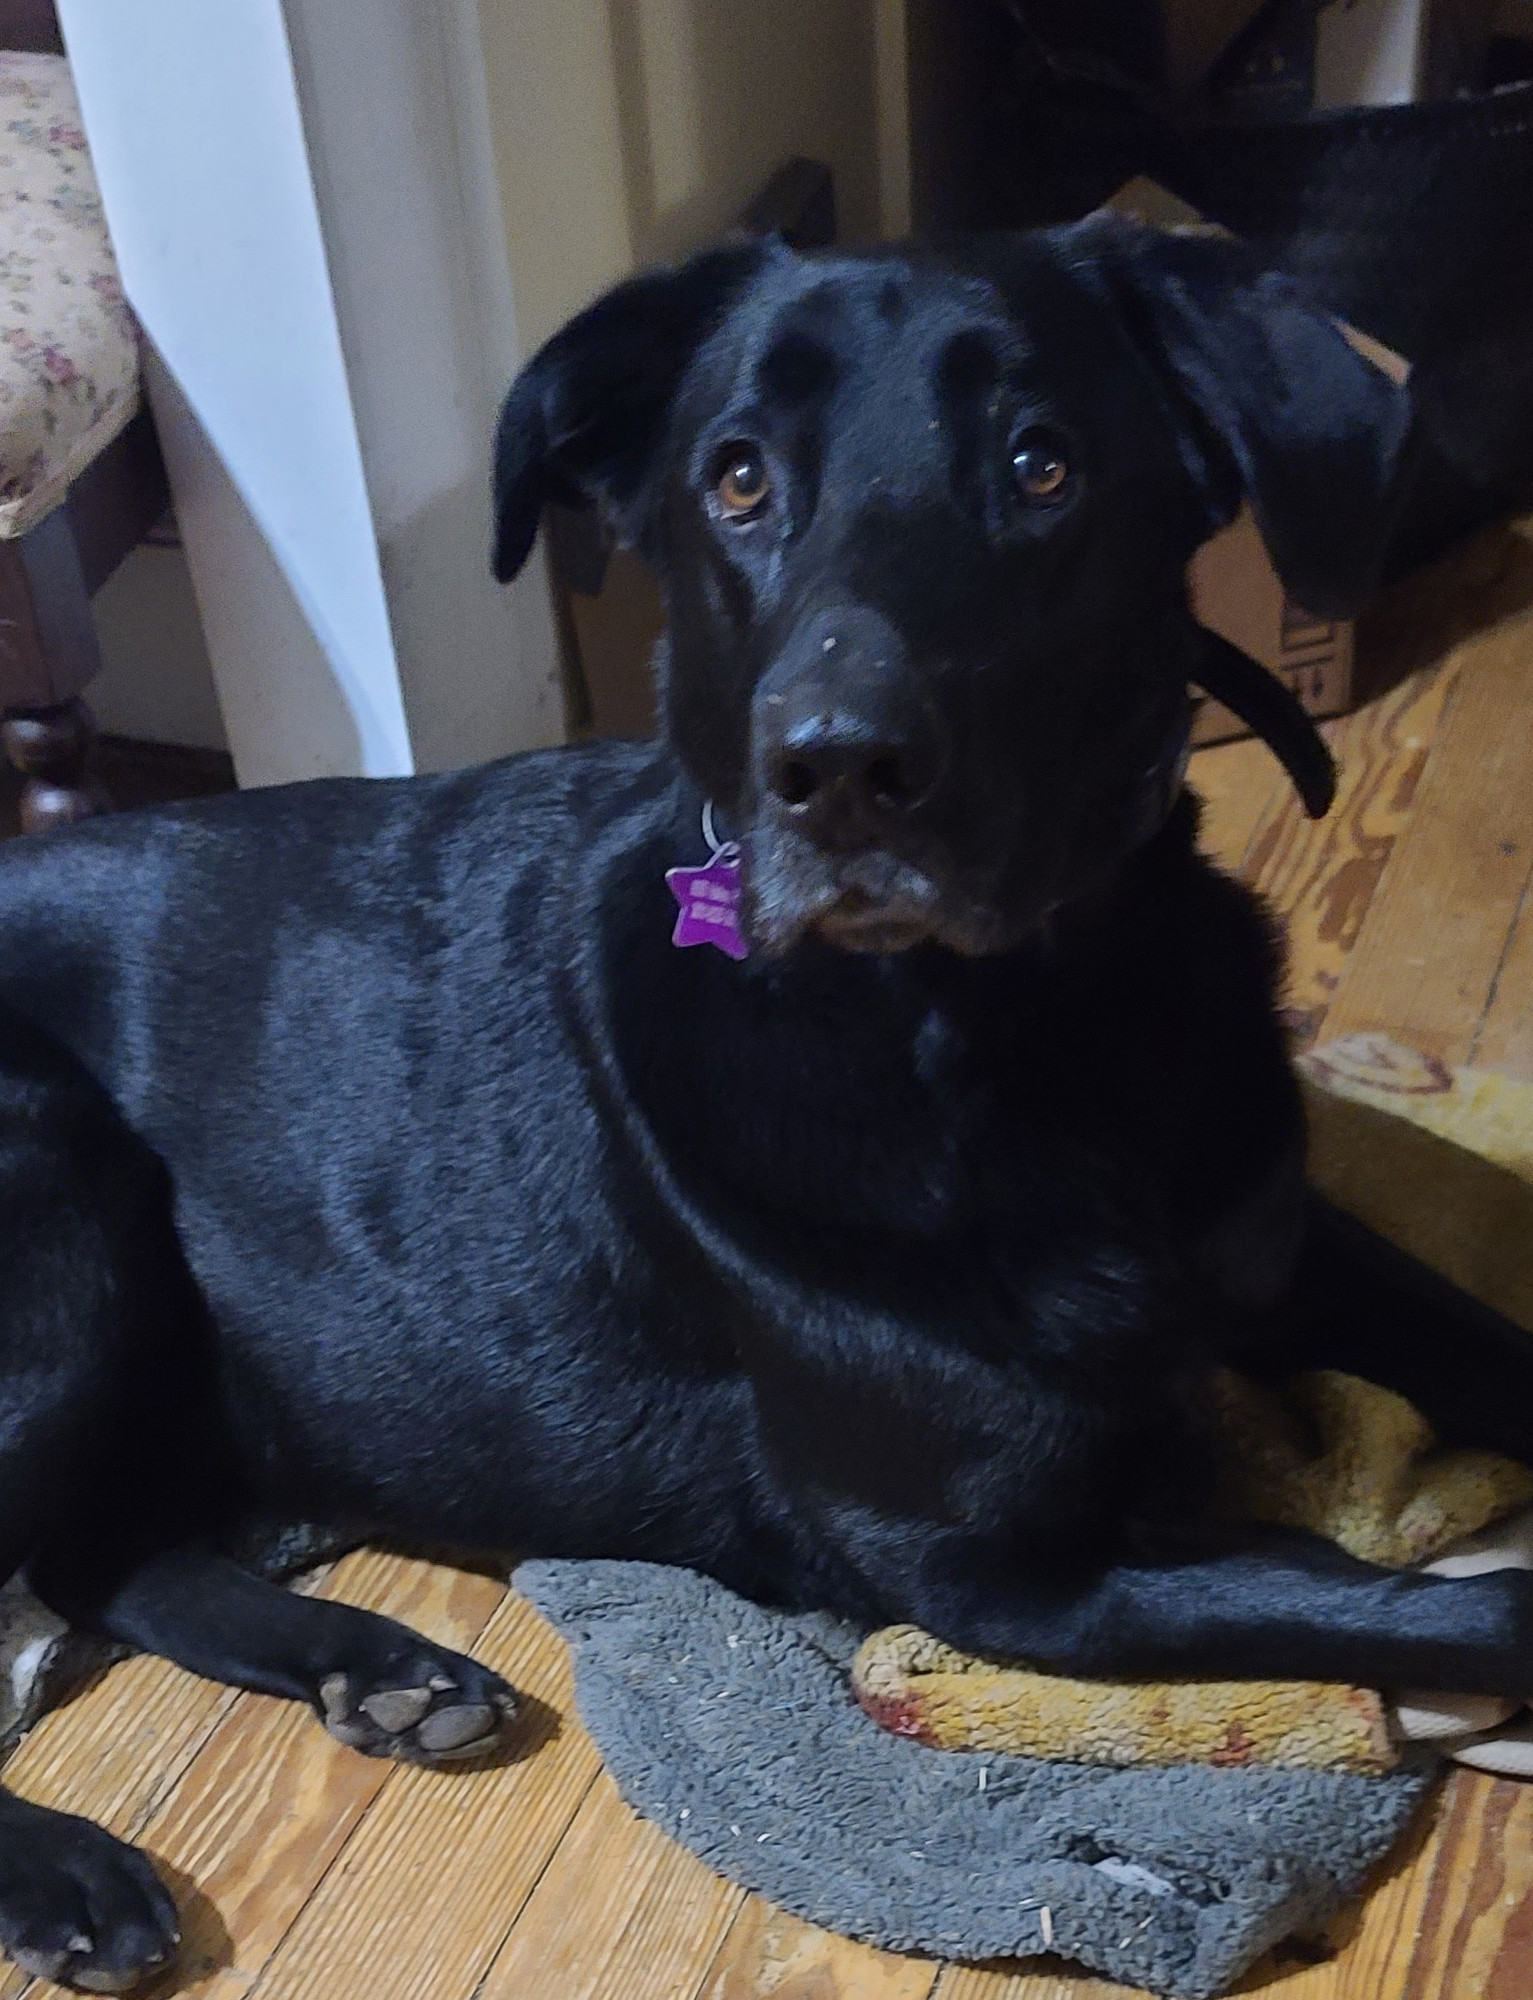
(880, 1271)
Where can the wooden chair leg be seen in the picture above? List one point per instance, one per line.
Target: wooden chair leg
(54, 751)
(48, 645)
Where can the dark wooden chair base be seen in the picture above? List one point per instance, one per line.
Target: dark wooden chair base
(53, 750)
(48, 650)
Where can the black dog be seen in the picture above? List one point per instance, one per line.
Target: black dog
(370, 1155)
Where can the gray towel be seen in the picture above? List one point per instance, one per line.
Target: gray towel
(734, 1729)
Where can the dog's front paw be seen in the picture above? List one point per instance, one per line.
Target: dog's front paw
(78, 1906)
(428, 1706)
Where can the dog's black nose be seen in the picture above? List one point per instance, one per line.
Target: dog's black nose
(835, 755)
(844, 742)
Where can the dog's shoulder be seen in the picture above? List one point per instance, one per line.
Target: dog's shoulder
(194, 920)
(281, 845)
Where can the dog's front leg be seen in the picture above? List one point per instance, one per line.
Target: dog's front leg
(375, 1685)
(77, 1905)
(1284, 1606)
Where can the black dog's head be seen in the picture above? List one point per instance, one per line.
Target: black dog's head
(922, 525)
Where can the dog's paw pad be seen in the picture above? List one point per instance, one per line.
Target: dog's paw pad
(436, 1717)
(80, 1908)
(122, 1956)
(459, 1731)
(397, 1709)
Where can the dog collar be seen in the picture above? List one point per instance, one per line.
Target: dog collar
(1274, 713)
(708, 898)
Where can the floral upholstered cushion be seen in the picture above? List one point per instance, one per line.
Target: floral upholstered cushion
(68, 345)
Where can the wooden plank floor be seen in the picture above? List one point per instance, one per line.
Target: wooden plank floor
(308, 1871)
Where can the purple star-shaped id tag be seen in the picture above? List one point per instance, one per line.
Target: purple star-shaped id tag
(708, 901)
(708, 898)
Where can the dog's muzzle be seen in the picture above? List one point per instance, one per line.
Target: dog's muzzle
(846, 747)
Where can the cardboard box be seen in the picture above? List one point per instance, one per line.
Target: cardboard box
(1235, 592)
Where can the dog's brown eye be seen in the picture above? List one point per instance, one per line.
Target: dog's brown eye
(1039, 467)
(743, 483)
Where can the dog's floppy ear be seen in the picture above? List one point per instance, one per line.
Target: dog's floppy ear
(585, 417)
(1276, 404)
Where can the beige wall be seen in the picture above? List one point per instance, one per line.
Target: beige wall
(155, 680)
(630, 131)
(625, 132)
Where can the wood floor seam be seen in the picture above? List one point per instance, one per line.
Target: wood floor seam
(1494, 988)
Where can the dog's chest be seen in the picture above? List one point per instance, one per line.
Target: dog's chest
(868, 1118)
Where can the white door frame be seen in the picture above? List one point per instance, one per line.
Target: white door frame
(305, 210)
